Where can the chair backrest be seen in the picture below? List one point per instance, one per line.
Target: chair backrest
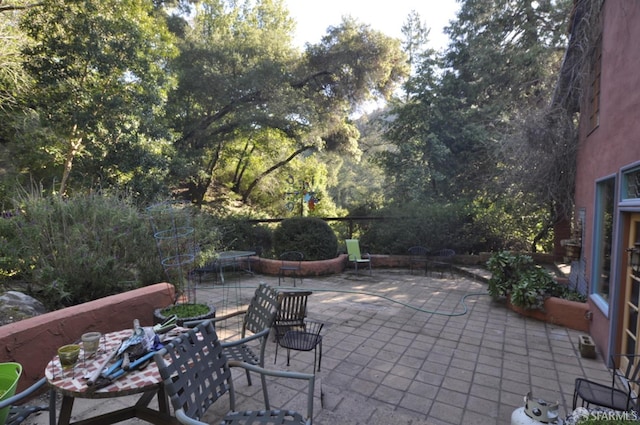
(292, 256)
(445, 254)
(418, 251)
(292, 309)
(353, 249)
(262, 310)
(197, 373)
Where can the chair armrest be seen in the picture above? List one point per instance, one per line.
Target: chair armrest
(272, 372)
(311, 378)
(182, 417)
(23, 394)
(194, 323)
(262, 334)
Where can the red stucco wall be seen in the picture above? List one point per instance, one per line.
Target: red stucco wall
(615, 143)
(33, 342)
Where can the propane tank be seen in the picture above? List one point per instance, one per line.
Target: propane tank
(535, 412)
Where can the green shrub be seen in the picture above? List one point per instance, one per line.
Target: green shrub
(311, 236)
(525, 283)
(11, 262)
(82, 248)
(435, 226)
(238, 233)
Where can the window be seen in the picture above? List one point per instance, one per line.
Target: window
(631, 187)
(603, 237)
(594, 89)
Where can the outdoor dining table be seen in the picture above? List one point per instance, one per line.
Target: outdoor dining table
(72, 384)
(232, 257)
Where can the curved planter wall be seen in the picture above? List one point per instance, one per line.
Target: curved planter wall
(309, 268)
(327, 267)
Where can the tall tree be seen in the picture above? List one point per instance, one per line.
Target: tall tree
(500, 61)
(240, 76)
(99, 72)
(414, 163)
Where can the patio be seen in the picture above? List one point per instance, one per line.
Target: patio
(408, 349)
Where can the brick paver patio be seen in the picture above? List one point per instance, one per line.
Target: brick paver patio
(408, 349)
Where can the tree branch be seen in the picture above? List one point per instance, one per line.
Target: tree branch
(274, 167)
(11, 7)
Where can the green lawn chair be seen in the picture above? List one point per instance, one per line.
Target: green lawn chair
(353, 249)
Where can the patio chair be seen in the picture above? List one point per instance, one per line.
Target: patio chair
(19, 412)
(291, 266)
(353, 249)
(257, 320)
(620, 395)
(441, 261)
(195, 373)
(418, 257)
(305, 337)
(254, 259)
(292, 310)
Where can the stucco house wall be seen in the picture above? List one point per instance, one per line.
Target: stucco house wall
(612, 146)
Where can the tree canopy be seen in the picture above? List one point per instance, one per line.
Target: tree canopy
(197, 98)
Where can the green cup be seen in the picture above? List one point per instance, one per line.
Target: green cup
(68, 355)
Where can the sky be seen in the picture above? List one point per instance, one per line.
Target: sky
(314, 17)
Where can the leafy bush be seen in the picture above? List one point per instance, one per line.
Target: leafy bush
(81, 248)
(525, 283)
(238, 233)
(435, 226)
(466, 226)
(311, 236)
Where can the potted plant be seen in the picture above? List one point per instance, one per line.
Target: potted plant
(177, 247)
(523, 283)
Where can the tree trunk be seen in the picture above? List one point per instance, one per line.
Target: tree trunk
(74, 147)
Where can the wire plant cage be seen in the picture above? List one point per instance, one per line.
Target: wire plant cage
(175, 237)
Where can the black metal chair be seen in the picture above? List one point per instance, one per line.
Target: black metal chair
(441, 261)
(291, 266)
(292, 310)
(19, 412)
(254, 259)
(621, 394)
(306, 337)
(256, 325)
(418, 258)
(196, 373)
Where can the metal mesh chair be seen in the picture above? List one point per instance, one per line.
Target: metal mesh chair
(303, 338)
(441, 261)
(256, 326)
(292, 309)
(195, 374)
(621, 394)
(418, 257)
(291, 266)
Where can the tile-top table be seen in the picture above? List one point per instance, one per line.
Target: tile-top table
(72, 384)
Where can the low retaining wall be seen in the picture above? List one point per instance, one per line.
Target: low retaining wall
(309, 268)
(558, 311)
(33, 342)
(328, 267)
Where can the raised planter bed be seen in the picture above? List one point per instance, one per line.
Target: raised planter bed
(309, 268)
(558, 311)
